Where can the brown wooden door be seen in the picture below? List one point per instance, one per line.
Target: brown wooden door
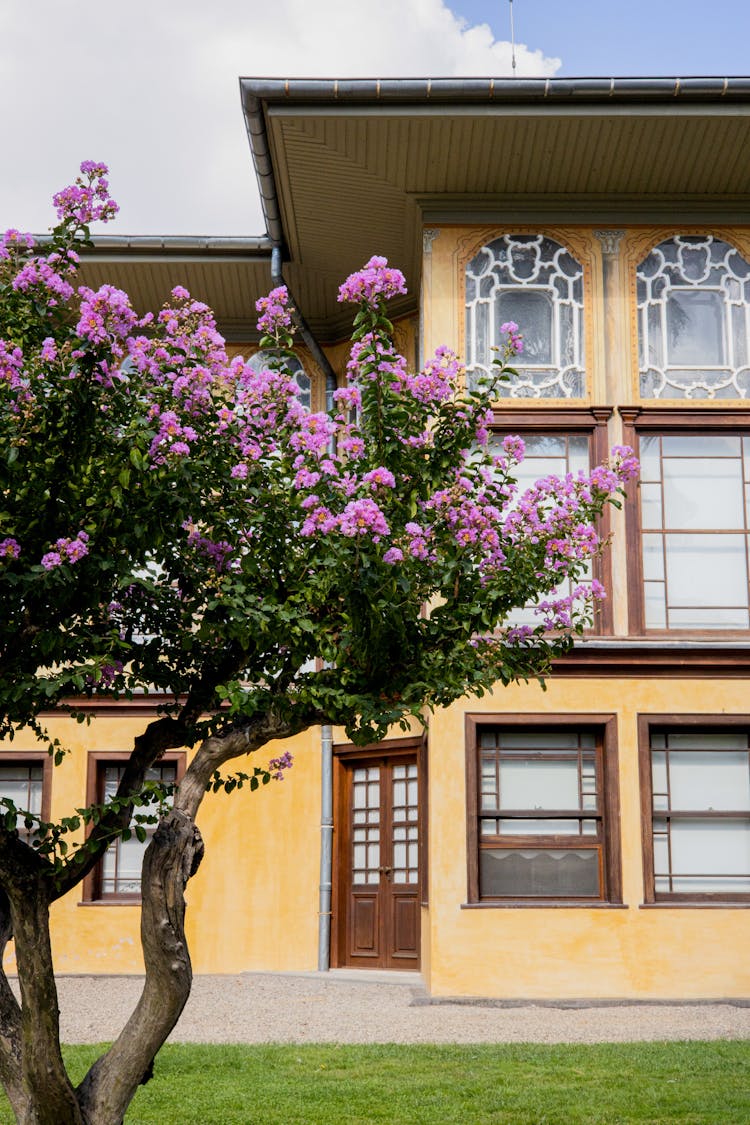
(379, 877)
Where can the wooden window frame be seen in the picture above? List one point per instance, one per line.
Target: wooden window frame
(591, 422)
(33, 758)
(604, 727)
(678, 724)
(97, 759)
(665, 421)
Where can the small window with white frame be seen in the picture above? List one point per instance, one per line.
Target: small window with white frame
(693, 307)
(535, 282)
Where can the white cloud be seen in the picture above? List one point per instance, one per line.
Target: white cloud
(151, 88)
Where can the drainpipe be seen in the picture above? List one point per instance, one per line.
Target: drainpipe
(304, 329)
(326, 731)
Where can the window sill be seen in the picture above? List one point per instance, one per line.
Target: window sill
(694, 905)
(111, 902)
(558, 904)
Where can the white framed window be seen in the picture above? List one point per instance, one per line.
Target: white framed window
(693, 299)
(536, 282)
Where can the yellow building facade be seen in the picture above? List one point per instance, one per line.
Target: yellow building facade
(590, 840)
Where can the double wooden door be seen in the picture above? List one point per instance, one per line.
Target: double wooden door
(378, 885)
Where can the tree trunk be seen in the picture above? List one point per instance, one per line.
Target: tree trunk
(48, 1097)
(171, 858)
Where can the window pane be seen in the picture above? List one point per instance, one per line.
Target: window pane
(709, 780)
(706, 570)
(532, 312)
(556, 827)
(703, 493)
(695, 328)
(539, 784)
(542, 873)
(710, 847)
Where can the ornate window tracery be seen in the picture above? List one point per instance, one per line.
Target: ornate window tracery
(294, 366)
(693, 298)
(535, 281)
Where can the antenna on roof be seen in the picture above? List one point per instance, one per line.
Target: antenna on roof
(512, 41)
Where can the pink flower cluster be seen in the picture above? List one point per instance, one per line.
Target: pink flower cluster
(9, 548)
(514, 343)
(172, 437)
(218, 551)
(66, 550)
(45, 274)
(87, 200)
(275, 318)
(374, 283)
(104, 315)
(14, 242)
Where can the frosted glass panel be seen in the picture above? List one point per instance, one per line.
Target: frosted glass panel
(651, 507)
(519, 827)
(532, 311)
(699, 493)
(695, 328)
(539, 785)
(710, 780)
(705, 570)
(548, 874)
(701, 445)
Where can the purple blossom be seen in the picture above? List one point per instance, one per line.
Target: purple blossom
(393, 555)
(88, 200)
(277, 765)
(374, 282)
(514, 344)
(379, 478)
(9, 549)
(363, 517)
(275, 319)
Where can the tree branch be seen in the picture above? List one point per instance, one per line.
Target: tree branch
(10, 1022)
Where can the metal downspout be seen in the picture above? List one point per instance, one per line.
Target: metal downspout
(304, 328)
(326, 731)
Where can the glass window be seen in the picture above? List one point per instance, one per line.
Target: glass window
(536, 282)
(550, 454)
(261, 360)
(119, 872)
(540, 809)
(693, 318)
(23, 784)
(694, 516)
(700, 795)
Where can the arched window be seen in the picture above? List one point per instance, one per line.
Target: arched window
(295, 369)
(536, 282)
(693, 317)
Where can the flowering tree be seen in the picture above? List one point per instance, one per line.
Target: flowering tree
(171, 520)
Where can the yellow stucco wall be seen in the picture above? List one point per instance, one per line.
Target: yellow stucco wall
(252, 904)
(549, 952)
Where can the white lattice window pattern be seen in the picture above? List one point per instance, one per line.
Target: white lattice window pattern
(693, 319)
(264, 359)
(534, 281)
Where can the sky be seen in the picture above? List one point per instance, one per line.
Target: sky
(150, 87)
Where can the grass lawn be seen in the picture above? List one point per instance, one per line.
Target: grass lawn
(512, 1084)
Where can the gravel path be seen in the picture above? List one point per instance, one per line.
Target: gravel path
(381, 1008)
